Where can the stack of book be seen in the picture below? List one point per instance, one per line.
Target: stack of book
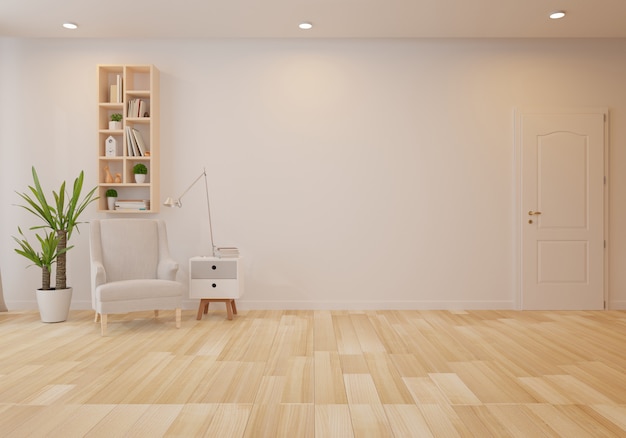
(137, 108)
(132, 204)
(227, 252)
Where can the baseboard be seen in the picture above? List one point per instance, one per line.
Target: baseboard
(82, 305)
(244, 304)
(374, 305)
(617, 305)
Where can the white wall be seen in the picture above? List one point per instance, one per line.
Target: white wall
(350, 173)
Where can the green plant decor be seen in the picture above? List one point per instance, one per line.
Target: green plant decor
(61, 216)
(44, 259)
(111, 193)
(117, 117)
(140, 168)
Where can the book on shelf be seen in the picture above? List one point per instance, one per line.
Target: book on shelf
(227, 251)
(131, 110)
(131, 141)
(141, 145)
(118, 86)
(132, 204)
(113, 97)
(137, 108)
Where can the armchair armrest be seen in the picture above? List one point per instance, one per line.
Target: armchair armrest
(98, 274)
(167, 269)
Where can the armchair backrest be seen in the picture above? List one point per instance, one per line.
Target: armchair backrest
(129, 249)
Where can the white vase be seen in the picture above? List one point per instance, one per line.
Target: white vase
(140, 178)
(111, 202)
(115, 126)
(54, 305)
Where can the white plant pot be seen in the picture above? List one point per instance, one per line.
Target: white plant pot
(111, 202)
(54, 305)
(140, 178)
(115, 126)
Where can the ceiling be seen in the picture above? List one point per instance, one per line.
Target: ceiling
(331, 18)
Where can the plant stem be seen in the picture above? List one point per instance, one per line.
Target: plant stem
(45, 278)
(61, 280)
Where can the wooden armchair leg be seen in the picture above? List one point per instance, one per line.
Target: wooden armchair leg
(103, 324)
(156, 313)
(96, 317)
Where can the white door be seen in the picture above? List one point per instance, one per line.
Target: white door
(562, 210)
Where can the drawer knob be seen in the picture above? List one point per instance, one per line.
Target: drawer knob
(214, 267)
(214, 285)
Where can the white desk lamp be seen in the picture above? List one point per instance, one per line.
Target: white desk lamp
(176, 202)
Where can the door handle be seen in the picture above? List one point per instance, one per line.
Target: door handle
(534, 213)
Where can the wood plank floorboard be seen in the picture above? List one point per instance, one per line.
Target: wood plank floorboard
(316, 374)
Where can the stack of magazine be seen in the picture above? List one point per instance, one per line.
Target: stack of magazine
(226, 251)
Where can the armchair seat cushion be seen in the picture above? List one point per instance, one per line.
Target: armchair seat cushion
(148, 289)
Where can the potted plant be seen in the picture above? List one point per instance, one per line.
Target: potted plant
(44, 259)
(140, 170)
(61, 218)
(111, 195)
(116, 122)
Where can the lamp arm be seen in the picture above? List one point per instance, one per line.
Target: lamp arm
(208, 206)
(178, 203)
(203, 174)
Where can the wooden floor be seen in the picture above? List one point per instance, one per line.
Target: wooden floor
(316, 374)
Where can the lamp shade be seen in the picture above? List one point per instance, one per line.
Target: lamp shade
(171, 202)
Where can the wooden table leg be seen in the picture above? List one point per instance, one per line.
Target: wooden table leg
(231, 307)
(203, 306)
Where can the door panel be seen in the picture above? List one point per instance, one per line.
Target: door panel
(562, 261)
(562, 207)
(563, 166)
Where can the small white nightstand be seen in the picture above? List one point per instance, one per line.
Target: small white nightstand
(214, 279)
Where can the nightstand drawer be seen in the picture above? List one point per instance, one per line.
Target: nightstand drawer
(214, 288)
(212, 269)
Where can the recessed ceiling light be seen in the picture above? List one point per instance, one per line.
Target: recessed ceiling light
(305, 25)
(557, 14)
(70, 26)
